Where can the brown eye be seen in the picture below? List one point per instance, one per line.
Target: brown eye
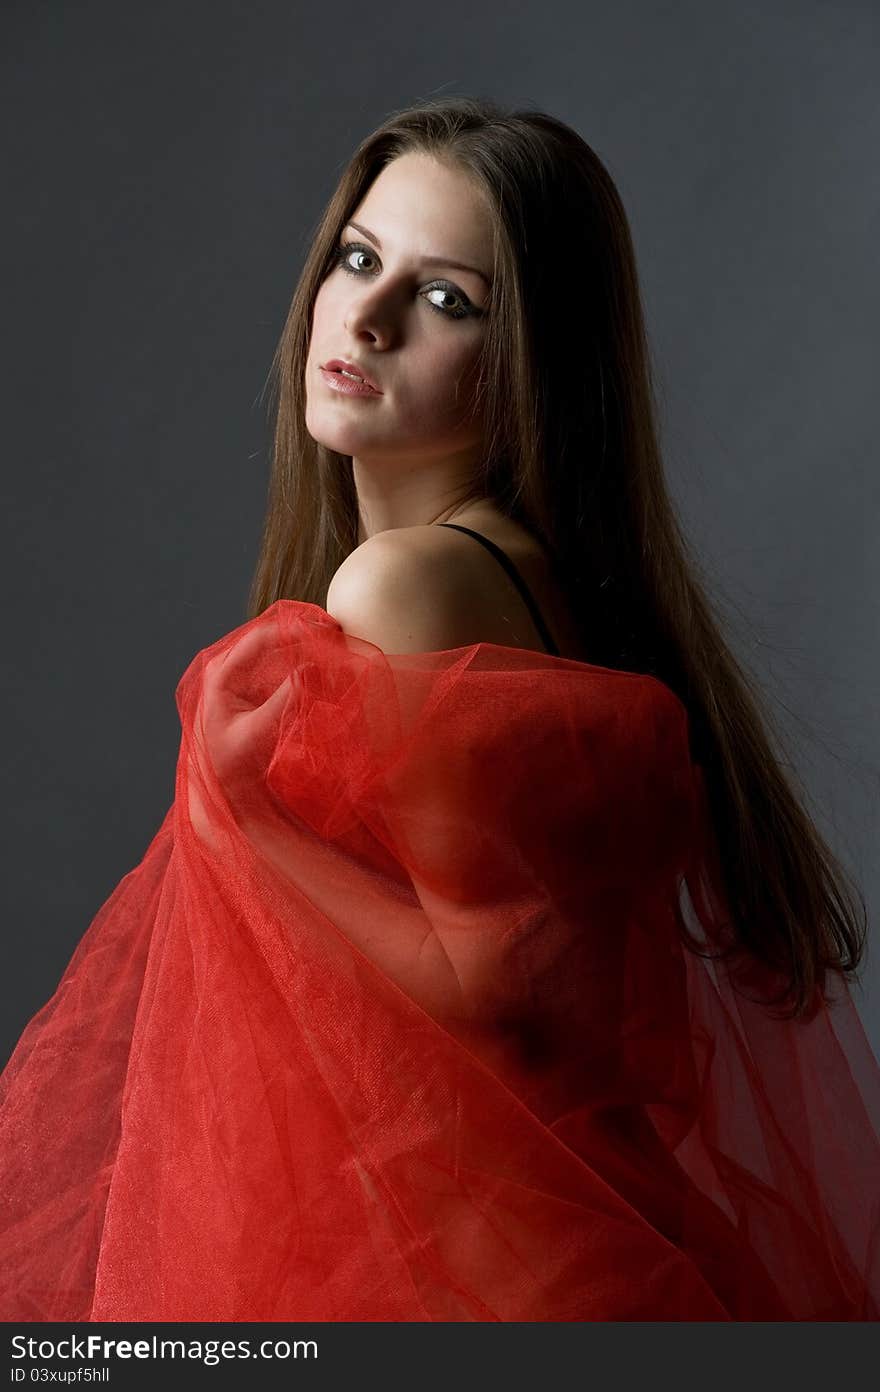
(348, 250)
(448, 294)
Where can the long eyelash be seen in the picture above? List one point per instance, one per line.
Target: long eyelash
(468, 309)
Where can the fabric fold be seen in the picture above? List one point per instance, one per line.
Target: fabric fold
(394, 1021)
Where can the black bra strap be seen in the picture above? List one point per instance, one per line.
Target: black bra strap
(517, 579)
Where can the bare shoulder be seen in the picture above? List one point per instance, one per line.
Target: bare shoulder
(407, 590)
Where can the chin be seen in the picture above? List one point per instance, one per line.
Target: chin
(322, 431)
(340, 439)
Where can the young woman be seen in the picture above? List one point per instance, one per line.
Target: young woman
(486, 965)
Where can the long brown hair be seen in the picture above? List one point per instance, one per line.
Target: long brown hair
(580, 467)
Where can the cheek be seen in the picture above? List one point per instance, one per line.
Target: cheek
(449, 378)
(323, 315)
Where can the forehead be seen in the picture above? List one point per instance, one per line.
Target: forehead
(420, 203)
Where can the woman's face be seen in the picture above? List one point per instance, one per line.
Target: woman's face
(412, 324)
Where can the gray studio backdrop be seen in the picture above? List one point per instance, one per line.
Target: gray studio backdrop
(164, 165)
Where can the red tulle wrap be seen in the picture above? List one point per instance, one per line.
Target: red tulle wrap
(394, 1021)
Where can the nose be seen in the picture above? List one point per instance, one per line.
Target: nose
(371, 316)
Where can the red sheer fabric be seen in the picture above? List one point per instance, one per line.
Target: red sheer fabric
(393, 1021)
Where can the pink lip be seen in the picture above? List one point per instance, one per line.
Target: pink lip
(336, 382)
(332, 373)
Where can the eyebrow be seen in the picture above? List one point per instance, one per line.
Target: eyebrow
(428, 260)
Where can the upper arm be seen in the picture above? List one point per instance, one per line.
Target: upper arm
(404, 592)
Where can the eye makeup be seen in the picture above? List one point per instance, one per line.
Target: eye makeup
(466, 309)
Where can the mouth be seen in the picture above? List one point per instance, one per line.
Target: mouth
(348, 373)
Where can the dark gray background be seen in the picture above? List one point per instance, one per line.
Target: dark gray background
(164, 166)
